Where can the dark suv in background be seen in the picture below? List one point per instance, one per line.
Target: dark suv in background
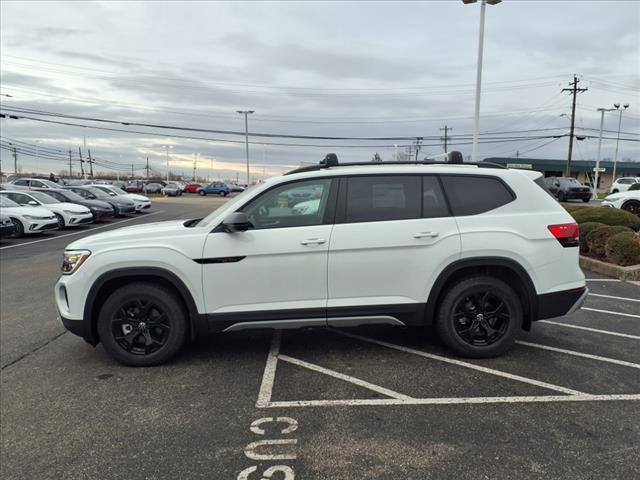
(567, 188)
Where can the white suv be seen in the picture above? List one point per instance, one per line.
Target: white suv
(478, 250)
(623, 184)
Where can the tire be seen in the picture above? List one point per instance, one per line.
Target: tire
(60, 219)
(561, 197)
(19, 228)
(615, 190)
(586, 200)
(632, 206)
(202, 192)
(129, 340)
(223, 194)
(479, 294)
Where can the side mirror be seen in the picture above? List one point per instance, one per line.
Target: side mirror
(33, 202)
(236, 222)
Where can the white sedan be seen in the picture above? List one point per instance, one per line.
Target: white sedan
(629, 201)
(28, 220)
(141, 202)
(67, 214)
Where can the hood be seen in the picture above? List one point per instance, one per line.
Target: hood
(135, 196)
(147, 232)
(34, 211)
(120, 200)
(96, 204)
(72, 207)
(620, 195)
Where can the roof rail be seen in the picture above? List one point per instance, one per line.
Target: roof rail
(331, 160)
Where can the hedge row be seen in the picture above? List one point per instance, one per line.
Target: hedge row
(635, 186)
(609, 216)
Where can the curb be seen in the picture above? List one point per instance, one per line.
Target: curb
(631, 273)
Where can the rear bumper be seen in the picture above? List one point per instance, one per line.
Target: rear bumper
(558, 304)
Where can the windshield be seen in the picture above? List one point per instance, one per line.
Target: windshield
(117, 191)
(72, 196)
(571, 181)
(97, 192)
(7, 202)
(43, 197)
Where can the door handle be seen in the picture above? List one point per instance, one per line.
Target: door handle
(425, 235)
(313, 241)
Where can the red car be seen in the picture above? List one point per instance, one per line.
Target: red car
(192, 187)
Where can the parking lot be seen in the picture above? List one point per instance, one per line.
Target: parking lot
(362, 403)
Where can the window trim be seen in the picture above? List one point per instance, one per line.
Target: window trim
(329, 212)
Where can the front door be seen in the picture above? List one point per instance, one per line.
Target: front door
(277, 270)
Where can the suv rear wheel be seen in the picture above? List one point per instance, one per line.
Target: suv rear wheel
(479, 317)
(142, 324)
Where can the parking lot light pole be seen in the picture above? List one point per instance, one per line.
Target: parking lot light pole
(476, 121)
(597, 172)
(167, 147)
(246, 114)
(615, 157)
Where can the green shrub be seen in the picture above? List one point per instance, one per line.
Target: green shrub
(608, 216)
(597, 239)
(623, 248)
(635, 186)
(573, 208)
(585, 229)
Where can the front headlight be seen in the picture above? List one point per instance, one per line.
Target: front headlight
(72, 259)
(33, 217)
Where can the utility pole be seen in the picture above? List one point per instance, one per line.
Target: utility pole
(15, 160)
(70, 167)
(246, 114)
(418, 146)
(195, 163)
(147, 169)
(81, 164)
(132, 174)
(90, 164)
(615, 157)
(446, 137)
(574, 90)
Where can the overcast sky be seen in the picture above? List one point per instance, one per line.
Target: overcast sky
(347, 69)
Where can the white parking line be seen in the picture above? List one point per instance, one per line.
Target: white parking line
(594, 330)
(579, 354)
(80, 231)
(269, 376)
(602, 280)
(455, 400)
(460, 363)
(614, 298)
(346, 378)
(610, 312)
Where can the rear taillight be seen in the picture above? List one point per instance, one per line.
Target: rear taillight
(568, 234)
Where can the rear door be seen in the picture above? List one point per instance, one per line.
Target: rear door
(393, 235)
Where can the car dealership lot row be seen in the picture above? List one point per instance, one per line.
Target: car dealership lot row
(318, 403)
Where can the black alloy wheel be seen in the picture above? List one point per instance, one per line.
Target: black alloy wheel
(561, 196)
(142, 324)
(18, 228)
(632, 206)
(479, 316)
(60, 221)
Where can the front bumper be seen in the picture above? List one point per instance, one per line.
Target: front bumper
(558, 304)
(37, 226)
(79, 328)
(80, 219)
(142, 206)
(7, 230)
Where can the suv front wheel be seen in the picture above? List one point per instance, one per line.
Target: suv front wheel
(479, 317)
(142, 324)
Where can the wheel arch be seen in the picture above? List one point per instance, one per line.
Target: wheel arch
(110, 281)
(504, 268)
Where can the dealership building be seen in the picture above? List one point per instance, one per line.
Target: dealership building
(582, 170)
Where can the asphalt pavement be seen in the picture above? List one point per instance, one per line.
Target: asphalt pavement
(315, 404)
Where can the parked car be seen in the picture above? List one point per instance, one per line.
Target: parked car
(28, 220)
(568, 188)
(99, 209)
(152, 188)
(623, 184)
(172, 190)
(140, 201)
(234, 187)
(134, 186)
(192, 187)
(7, 228)
(35, 183)
(67, 214)
(214, 189)
(629, 201)
(456, 246)
(121, 205)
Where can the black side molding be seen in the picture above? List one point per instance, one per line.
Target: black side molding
(206, 261)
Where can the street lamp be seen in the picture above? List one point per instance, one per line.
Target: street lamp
(595, 186)
(167, 147)
(615, 157)
(246, 113)
(37, 142)
(476, 122)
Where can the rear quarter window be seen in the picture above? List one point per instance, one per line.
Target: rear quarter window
(471, 195)
(542, 183)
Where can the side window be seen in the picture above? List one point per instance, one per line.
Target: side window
(37, 184)
(470, 194)
(433, 202)
(19, 198)
(292, 205)
(57, 196)
(378, 198)
(21, 182)
(80, 192)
